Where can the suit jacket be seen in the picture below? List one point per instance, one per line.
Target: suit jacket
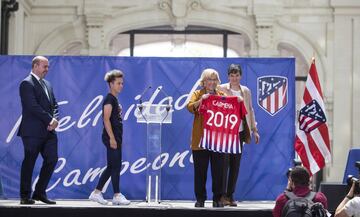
(250, 116)
(37, 109)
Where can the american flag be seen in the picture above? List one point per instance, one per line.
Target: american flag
(272, 93)
(312, 135)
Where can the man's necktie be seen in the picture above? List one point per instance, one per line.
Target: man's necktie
(43, 85)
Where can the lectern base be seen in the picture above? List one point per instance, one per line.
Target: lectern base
(154, 204)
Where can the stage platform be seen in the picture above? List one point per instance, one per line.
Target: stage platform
(86, 208)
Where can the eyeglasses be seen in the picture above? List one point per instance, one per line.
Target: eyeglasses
(209, 79)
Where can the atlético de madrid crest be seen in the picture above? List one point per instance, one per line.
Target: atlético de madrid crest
(272, 93)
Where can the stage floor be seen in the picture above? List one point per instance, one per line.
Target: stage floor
(65, 208)
(244, 205)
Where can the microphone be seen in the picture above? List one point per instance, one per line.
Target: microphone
(167, 96)
(141, 95)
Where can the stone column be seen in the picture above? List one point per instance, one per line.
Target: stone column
(95, 34)
(95, 16)
(265, 16)
(346, 66)
(17, 46)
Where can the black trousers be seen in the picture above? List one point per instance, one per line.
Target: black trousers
(112, 170)
(231, 173)
(231, 170)
(201, 164)
(47, 147)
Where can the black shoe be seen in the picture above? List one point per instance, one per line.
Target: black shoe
(26, 201)
(199, 204)
(43, 199)
(218, 204)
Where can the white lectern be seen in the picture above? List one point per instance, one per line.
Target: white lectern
(154, 115)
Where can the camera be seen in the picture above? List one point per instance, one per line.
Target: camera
(352, 179)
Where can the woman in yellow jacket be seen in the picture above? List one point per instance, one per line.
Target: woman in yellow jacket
(209, 81)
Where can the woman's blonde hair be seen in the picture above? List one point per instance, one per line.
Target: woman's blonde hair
(110, 76)
(208, 73)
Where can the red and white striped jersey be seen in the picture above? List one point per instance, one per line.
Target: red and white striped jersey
(222, 119)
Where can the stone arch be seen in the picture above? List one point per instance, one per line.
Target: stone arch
(59, 38)
(304, 46)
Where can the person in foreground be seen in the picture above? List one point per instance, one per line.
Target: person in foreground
(350, 206)
(247, 128)
(37, 131)
(112, 139)
(298, 183)
(209, 80)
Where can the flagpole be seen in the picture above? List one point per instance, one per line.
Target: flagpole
(313, 57)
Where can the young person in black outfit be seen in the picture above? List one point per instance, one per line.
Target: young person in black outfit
(112, 139)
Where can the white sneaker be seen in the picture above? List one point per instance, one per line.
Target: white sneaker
(97, 197)
(120, 199)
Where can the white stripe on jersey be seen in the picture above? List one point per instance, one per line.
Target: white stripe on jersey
(224, 142)
(213, 141)
(203, 145)
(234, 144)
(229, 143)
(218, 143)
(239, 145)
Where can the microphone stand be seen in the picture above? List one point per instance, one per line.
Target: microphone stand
(168, 107)
(140, 102)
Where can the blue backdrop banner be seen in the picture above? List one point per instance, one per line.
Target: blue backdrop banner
(79, 88)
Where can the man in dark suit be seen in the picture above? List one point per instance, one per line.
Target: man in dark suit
(37, 131)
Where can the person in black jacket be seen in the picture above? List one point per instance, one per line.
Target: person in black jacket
(37, 131)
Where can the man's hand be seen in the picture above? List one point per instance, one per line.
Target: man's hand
(53, 126)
